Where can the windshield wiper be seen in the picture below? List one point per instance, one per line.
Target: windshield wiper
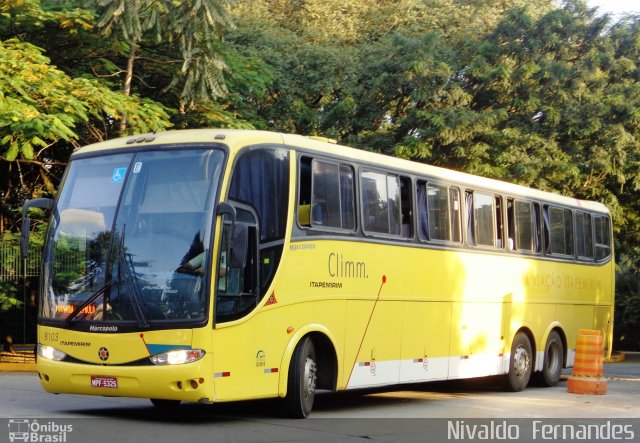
(86, 303)
(130, 280)
(124, 261)
(132, 288)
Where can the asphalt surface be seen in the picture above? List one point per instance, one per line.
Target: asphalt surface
(420, 412)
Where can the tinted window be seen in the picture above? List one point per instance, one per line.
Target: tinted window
(455, 214)
(584, 237)
(559, 231)
(524, 226)
(326, 195)
(261, 180)
(602, 237)
(483, 213)
(347, 197)
(380, 203)
(439, 212)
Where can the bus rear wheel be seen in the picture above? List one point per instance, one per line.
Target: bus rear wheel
(521, 363)
(301, 387)
(553, 360)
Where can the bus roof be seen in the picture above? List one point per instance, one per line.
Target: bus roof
(237, 138)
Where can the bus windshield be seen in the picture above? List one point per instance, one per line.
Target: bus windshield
(129, 238)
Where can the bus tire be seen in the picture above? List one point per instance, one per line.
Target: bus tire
(166, 405)
(521, 363)
(553, 359)
(302, 380)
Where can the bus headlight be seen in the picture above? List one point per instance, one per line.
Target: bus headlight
(177, 357)
(50, 353)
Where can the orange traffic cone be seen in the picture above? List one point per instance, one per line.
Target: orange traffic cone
(588, 376)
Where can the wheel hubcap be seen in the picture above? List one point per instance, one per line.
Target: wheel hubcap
(553, 359)
(521, 361)
(309, 377)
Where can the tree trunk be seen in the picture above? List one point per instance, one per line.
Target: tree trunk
(127, 84)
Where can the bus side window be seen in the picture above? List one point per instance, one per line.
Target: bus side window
(558, 231)
(422, 211)
(326, 195)
(347, 197)
(602, 237)
(455, 214)
(439, 212)
(406, 205)
(524, 222)
(471, 222)
(484, 213)
(511, 228)
(395, 206)
(499, 223)
(584, 236)
(304, 192)
(537, 235)
(386, 203)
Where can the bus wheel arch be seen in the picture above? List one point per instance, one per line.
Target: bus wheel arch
(326, 358)
(521, 360)
(327, 361)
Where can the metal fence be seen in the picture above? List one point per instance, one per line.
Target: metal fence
(19, 280)
(13, 267)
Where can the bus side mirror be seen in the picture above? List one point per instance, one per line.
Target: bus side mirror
(239, 246)
(44, 203)
(227, 209)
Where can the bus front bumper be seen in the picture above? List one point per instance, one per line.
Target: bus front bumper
(191, 382)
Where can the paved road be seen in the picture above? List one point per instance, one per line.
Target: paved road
(407, 414)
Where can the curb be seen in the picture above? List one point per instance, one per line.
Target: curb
(18, 367)
(615, 358)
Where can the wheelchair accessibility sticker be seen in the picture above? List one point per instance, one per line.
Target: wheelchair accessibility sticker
(118, 175)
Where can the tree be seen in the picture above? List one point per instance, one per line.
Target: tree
(345, 22)
(545, 97)
(44, 112)
(194, 26)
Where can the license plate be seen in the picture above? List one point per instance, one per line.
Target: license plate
(104, 382)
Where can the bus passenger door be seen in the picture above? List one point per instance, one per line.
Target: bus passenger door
(238, 348)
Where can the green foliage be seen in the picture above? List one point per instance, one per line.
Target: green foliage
(35, 105)
(345, 22)
(41, 105)
(540, 96)
(44, 111)
(627, 315)
(522, 91)
(192, 28)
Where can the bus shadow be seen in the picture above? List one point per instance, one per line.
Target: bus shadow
(326, 402)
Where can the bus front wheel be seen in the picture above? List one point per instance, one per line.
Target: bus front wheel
(521, 363)
(302, 380)
(553, 359)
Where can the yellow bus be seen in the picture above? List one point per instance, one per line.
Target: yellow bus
(221, 265)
